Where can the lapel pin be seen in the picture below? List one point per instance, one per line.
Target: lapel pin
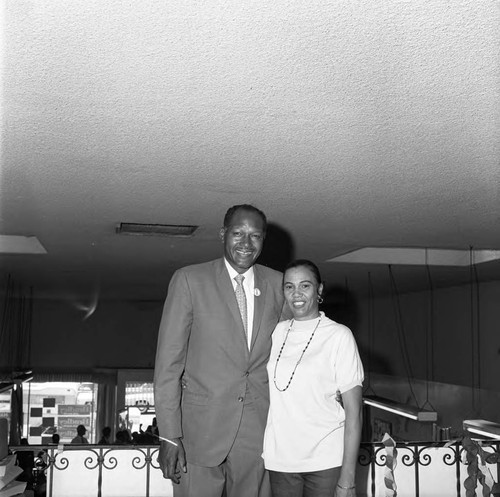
(256, 292)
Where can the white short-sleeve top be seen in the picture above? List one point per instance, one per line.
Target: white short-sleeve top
(305, 425)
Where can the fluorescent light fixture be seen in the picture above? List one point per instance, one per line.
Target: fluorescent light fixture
(482, 427)
(400, 409)
(6, 386)
(177, 230)
(23, 377)
(416, 256)
(16, 379)
(14, 244)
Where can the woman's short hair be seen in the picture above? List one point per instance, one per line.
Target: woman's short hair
(308, 264)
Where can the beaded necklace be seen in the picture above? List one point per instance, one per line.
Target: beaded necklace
(300, 358)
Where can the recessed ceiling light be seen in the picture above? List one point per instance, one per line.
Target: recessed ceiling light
(17, 244)
(417, 256)
(177, 230)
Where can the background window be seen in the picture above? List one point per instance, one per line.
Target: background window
(58, 407)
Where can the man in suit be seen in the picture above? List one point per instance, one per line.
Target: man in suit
(211, 385)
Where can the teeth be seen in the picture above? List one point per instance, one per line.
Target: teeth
(299, 304)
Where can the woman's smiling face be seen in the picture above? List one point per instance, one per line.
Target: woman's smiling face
(301, 290)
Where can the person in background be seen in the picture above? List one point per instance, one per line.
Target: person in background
(154, 430)
(43, 456)
(80, 437)
(211, 388)
(123, 437)
(25, 459)
(106, 436)
(312, 440)
(149, 437)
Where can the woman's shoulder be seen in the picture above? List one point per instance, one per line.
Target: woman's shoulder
(334, 328)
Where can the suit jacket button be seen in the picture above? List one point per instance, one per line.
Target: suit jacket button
(240, 399)
(247, 373)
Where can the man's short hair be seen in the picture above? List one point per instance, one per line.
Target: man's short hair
(245, 207)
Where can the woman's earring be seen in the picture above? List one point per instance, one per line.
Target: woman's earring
(320, 299)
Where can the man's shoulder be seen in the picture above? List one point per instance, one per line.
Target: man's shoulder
(269, 273)
(201, 268)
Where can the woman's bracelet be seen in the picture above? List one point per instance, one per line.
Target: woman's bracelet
(345, 488)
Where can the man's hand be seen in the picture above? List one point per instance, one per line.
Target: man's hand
(172, 460)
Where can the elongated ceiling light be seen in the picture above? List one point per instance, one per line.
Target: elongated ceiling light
(410, 412)
(15, 379)
(482, 427)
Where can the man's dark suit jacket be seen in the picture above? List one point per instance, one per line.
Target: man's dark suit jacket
(204, 371)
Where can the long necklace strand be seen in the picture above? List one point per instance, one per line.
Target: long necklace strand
(300, 358)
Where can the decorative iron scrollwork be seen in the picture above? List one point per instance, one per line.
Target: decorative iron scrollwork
(139, 462)
(92, 461)
(60, 463)
(109, 463)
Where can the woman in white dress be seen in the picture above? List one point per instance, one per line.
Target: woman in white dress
(312, 439)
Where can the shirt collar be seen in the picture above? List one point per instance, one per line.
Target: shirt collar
(248, 274)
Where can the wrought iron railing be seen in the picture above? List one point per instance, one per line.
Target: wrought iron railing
(422, 470)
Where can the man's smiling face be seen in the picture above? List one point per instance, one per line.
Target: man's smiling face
(243, 239)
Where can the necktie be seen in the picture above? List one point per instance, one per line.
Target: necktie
(242, 302)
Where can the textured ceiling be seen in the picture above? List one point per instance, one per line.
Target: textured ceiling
(349, 123)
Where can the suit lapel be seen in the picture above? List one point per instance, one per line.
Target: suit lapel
(258, 303)
(227, 292)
